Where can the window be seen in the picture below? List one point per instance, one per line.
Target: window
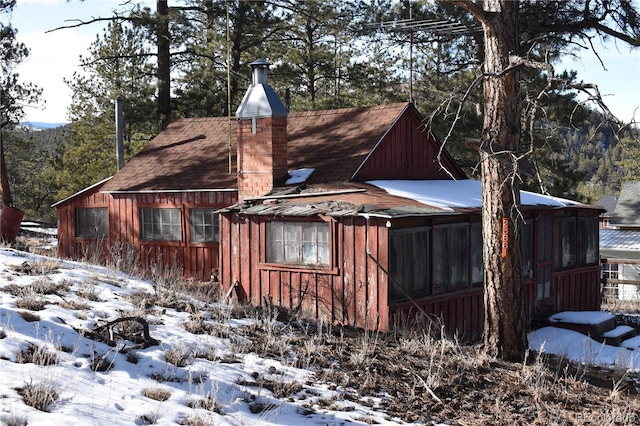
(160, 224)
(204, 226)
(545, 232)
(526, 247)
(610, 271)
(543, 288)
(587, 241)
(566, 250)
(477, 266)
(450, 258)
(409, 264)
(92, 222)
(298, 243)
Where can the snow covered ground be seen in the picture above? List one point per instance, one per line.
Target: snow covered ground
(188, 378)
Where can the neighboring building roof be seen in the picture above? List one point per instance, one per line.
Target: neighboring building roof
(608, 203)
(619, 239)
(388, 198)
(627, 211)
(193, 153)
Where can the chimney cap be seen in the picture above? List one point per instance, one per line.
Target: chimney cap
(260, 100)
(260, 63)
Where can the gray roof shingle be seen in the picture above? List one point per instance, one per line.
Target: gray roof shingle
(627, 211)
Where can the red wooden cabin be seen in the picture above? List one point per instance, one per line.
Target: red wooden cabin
(161, 205)
(365, 226)
(354, 215)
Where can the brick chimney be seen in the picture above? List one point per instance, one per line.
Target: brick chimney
(262, 136)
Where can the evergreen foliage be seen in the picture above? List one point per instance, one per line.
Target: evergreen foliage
(117, 66)
(328, 54)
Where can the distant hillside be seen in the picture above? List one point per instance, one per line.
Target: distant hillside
(40, 125)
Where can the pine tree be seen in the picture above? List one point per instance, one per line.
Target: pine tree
(117, 66)
(14, 94)
(508, 49)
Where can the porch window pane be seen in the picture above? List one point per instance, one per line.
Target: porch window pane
(458, 245)
(477, 266)
(92, 222)
(440, 265)
(526, 246)
(543, 288)
(545, 231)
(160, 224)
(450, 258)
(588, 241)
(565, 250)
(409, 264)
(302, 243)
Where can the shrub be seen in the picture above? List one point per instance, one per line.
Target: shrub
(38, 355)
(40, 396)
(14, 420)
(157, 394)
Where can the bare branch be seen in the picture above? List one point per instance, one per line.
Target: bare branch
(80, 23)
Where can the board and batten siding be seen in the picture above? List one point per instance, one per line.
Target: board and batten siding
(197, 261)
(408, 151)
(352, 292)
(68, 245)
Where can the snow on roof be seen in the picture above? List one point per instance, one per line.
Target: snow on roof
(299, 176)
(581, 317)
(619, 239)
(452, 194)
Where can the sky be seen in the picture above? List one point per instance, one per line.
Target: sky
(55, 56)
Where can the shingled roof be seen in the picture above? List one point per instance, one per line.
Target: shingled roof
(193, 153)
(627, 211)
(190, 154)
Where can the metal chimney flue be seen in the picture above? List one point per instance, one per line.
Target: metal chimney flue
(260, 100)
(260, 71)
(119, 133)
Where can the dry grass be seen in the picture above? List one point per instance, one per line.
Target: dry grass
(40, 396)
(38, 355)
(157, 394)
(179, 356)
(29, 316)
(14, 420)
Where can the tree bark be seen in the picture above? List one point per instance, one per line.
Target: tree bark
(7, 199)
(164, 64)
(504, 328)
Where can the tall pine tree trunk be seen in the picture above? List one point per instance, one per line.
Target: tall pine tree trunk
(164, 63)
(504, 328)
(7, 199)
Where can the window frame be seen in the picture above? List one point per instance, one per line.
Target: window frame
(268, 264)
(190, 210)
(610, 271)
(161, 240)
(88, 234)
